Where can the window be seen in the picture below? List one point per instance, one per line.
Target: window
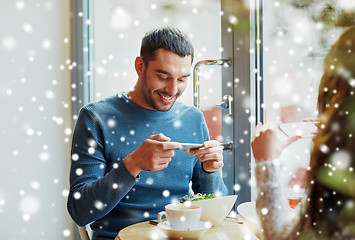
(296, 37)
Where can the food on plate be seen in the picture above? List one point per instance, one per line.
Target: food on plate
(197, 197)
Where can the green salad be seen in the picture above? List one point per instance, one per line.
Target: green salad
(196, 197)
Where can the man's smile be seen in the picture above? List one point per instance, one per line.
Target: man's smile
(166, 98)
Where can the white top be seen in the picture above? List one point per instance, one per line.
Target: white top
(278, 220)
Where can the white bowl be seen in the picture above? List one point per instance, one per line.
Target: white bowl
(214, 210)
(248, 211)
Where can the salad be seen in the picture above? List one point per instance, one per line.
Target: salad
(196, 197)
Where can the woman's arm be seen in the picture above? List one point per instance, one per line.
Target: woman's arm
(278, 220)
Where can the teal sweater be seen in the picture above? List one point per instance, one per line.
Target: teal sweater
(103, 192)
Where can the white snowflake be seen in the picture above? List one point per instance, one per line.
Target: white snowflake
(99, 205)
(50, 94)
(66, 232)
(121, 19)
(341, 159)
(166, 193)
(79, 171)
(46, 44)
(91, 150)
(324, 148)
(9, 43)
(236, 187)
(75, 157)
(77, 195)
(177, 124)
(149, 181)
(35, 185)
(26, 217)
(44, 156)
(20, 5)
(29, 205)
(264, 211)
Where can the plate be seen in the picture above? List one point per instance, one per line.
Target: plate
(184, 234)
(248, 211)
(186, 146)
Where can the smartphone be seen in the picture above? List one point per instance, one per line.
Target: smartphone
(186, 146)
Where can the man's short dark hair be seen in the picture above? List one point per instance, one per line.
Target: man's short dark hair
(168, 38)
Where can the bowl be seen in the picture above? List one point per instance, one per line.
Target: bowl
(214, 210)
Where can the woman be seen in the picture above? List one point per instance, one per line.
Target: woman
(328, 212)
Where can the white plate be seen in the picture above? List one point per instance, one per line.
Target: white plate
(248, 211)
(189, 234)
(303, 129)
(186, 146)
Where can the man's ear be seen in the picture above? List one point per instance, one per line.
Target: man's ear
(139, 65)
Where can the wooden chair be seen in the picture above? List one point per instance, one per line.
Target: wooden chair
(84, 235)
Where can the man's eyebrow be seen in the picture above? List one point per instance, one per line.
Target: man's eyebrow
(163, 72)
(187, 75)
(169, 74)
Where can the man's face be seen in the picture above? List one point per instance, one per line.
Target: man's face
(164, 80)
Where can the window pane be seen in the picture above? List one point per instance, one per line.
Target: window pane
(297, 36)
(120, 25)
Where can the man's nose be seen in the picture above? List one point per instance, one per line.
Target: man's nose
(172, 87)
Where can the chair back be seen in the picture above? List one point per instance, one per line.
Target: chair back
(83, 233)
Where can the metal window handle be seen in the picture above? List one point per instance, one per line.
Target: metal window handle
(227, 104)
(227, 145)
(196, 83)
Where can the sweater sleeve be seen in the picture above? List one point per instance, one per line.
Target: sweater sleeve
(93, 192)
(278, 220)
(213, 183)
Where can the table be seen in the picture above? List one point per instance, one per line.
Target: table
(228, 229)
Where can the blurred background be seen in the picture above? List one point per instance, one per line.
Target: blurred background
(56, 56)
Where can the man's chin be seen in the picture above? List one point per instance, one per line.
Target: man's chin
(164, 107)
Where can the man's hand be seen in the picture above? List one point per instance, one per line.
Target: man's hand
(153, 154)
(211, 155)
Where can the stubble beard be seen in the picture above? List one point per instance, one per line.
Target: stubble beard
(149, 98)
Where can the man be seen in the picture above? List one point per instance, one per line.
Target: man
(126, 162)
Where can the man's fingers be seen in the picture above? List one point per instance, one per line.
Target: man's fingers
(160, 137)
(167, 145)
(211, 156)
(166, 154)
(162, 142)
(211, 166)
(211, 143)
(200, 151)
(165, 161)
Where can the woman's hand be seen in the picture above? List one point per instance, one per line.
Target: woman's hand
(266, 145)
